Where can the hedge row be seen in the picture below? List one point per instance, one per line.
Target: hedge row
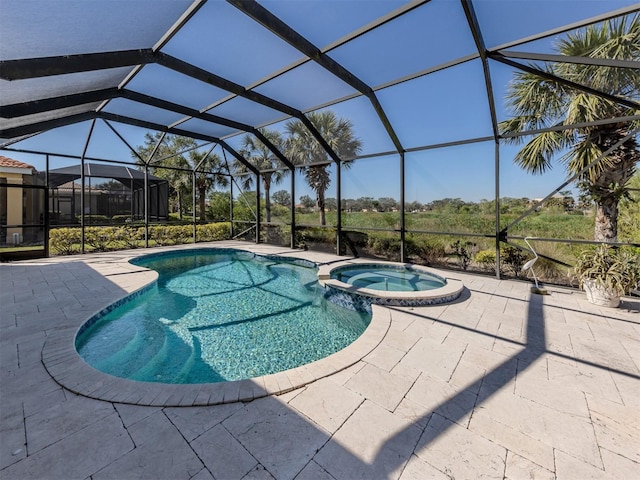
(427, 251)
(440, 251)
(67, 241)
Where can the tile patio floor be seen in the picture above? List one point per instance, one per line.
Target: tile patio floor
(501, 384)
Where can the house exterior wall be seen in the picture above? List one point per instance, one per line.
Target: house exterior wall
(18, 206)
(12, 205)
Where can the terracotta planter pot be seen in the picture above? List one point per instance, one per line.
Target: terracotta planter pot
(599, 295)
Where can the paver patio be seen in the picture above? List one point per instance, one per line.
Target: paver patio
(500, 384)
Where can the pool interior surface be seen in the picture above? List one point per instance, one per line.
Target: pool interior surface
(390, 279)
(216, 316)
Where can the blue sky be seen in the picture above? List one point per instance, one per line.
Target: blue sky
(445, 106)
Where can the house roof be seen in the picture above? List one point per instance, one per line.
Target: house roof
(11, 163)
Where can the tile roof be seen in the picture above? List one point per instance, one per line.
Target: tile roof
(10, 162)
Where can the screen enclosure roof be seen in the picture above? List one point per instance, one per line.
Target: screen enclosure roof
(129, 177)
(415, 73)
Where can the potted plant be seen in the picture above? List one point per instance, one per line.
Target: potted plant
(607, 273)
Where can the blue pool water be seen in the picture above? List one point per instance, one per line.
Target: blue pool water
(388, 278)
(217, 315)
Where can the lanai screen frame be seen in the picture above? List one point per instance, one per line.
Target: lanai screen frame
(47, 107)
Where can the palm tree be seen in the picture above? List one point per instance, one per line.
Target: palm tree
(259, 155)
(175, 153)
(204, 180)
(313, 160)
(539, 102)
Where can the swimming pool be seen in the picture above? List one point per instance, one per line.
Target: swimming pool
(216, 315)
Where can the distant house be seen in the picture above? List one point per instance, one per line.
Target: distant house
(109, 190)
(18, 205)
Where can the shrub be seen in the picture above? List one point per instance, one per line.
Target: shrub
(551, 271)
(158, 233)
(425, 251)
(463, 251)
(273, 234)
(300, 239)
(486, 259)
(64, 241)
(280, 211)
(433, 251)
(317, 234)
(177, 234)
(129, 236)
(353, 241)
(385, 246)
(412, 248)
(212, 232)
(513, 259)
(99, 238)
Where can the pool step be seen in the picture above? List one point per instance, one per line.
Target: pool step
(131, 357)
(175, 352)
(123, 354)
(143, 373)
(185, 371)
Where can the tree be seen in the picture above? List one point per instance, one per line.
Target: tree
(262, 158)
(387, 204)
(219, 206)
(539, 102)
(414, 206)
(312, 159)
(111, 185)
(244, 207)
(584, 201)
(282, 197)
(447, 205)
(180, 152)
(307, 201)
(348, 204)
(168, 151)
(331, 204)
(366, 203)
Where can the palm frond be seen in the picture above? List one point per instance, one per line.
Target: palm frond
(584, 107)
(536, 103)
(617, 39)
(581, 155)
(536, 155)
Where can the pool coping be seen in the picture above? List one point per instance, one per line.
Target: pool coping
(68, 369)
(447, 293)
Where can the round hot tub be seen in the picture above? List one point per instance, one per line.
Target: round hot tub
(397, 284)
(388, 278)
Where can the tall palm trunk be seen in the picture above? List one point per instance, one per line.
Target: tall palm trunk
(319, 180)
(606, 189)
(202, 192)
(267, 197)
(321, 204)
(606, 220)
